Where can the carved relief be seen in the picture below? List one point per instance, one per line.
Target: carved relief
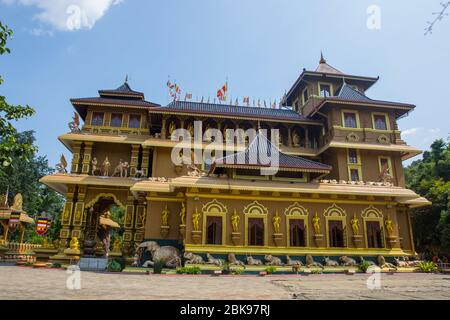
(352, 137)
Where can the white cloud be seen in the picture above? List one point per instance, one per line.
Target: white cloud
(409, 132)
(68, 15)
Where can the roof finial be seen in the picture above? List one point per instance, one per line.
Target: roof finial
(322, 59)
(126, 79)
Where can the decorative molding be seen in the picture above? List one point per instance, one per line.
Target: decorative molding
(214, 206)
(296, 209)
(334, 211)
(372, 213)
(105, 195)
(256, 208)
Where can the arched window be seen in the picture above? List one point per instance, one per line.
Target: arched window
(213, 230)
(297, 233)
(336, 234)
(255, 232)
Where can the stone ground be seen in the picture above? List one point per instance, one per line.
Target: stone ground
(28, 283)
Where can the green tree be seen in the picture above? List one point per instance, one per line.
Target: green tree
(430, 177)
(23, 176)
(9, 113)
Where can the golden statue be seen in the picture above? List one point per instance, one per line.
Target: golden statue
(142, 218)
(117, 245)
(106, 165)
(355, 225)
(276, 221)
(316, 223)
(196, 220)
(235, 221)
(74, 244)
(165, 217)
(190, 129)
(183, 214)
(172, 128)
(389, 225)
(18, 202)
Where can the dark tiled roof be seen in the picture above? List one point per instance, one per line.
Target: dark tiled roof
(348, 93)
(261, 146)
(231, 110)
(114, 101)
(124, 90)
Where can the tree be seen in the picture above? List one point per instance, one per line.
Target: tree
(430, 177)
(9, 145)
(23, 176)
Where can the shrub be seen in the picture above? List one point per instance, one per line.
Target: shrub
(114, 266)
(427, 266)
(28, 264)
(188, 270)
(158, 267)
(271, 269)
(316, 271)
(56, 265)
(238, 270)
(363, 266)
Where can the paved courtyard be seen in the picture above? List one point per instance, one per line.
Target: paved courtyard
(27, 283)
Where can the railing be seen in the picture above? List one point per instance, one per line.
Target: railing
(20, 251)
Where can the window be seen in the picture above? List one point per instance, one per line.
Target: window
(97, 119)
(135, 121)
(350, 120)
(116, 120)
(305, 95)
(297, 233)
(255, 232)
(336, 234)
(379, 121)
(354, 174)
(385, 164)
(352, 156)
(213, 230)
(374, 239)
(325, 90)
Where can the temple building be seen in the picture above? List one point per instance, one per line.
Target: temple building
(339, 188)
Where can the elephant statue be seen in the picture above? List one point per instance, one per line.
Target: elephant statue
(168, 255)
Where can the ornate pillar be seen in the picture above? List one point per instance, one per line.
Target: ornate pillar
(128, 225)
(139, 224)
(289, 137)
(76, 157)
(78, 213)
(145, 160)
(163, 128)
(307, 143)
(66, 218)
(134, 159)
(87, 157)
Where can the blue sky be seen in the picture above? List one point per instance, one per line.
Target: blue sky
(261, 46)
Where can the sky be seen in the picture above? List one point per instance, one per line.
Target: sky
(65, 49)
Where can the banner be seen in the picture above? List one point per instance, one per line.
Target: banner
(14, 220)
(42, 225)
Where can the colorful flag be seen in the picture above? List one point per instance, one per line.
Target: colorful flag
(274, 104)
(188, 96)
(14, 220)
(42, 225)
(246, 100)
(222, 92)
(170, 85)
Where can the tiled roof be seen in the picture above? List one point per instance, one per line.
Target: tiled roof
(261, 146)
(123, 91)
(114, 101)
(231, 110)
(348, 93)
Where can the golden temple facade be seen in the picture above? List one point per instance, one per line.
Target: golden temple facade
(339, 189)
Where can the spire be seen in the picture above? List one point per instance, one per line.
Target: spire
(322, 59)
(126, 79)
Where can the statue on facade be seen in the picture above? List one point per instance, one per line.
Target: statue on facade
(346, 261)
(105, 166)
(183, 214)
(74, 244)
(172, 128)
(94, 167)
(121, 170)
(389, 225)
(212, 260)
(193, 258)
(165, 217)
(316, 223)
(139, 173)
(74, 126)
(196, 220)
(233, 261)
(330, 263)
(383, 264)
(385, 176)
(169, 256)
(295, 139)
(253, 262)
(273, 261)
(62, 165)
(117, 245)
(276, 221)
(311, 263)
(355, 225)
(190, 129)
(235, 221)
(291, 262)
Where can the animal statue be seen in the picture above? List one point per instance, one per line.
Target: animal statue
(139, 173)
(346, 261)
(401, 263)
(362, 260)
(232, 260)
(290, 262)
(311, 263)
(212, 260)
(168, 255)
(94, 168)
(193, 258)
(62, 165)
(121, 170)
(74, 126)
(272, 261)
(383, 264)
(253, 262)
(413, 263)
(330, 263)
